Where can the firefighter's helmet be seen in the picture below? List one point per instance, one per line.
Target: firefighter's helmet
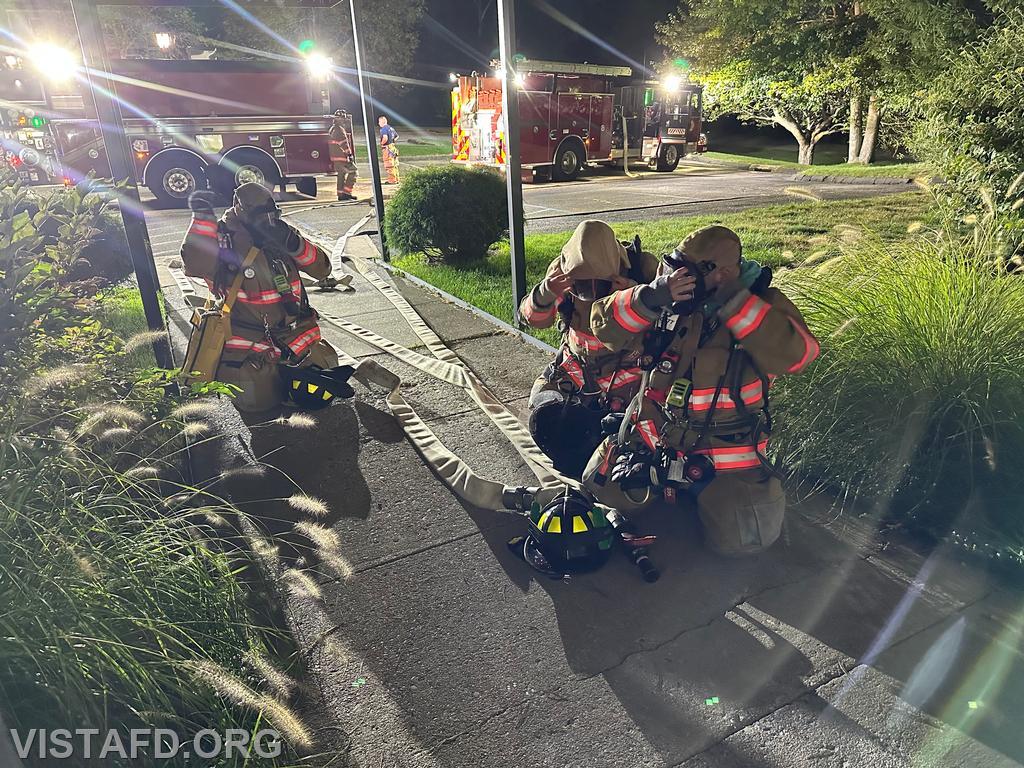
(569, 534)
(312, 388)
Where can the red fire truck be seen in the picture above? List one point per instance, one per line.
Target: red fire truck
(191, 124)
(575, 115)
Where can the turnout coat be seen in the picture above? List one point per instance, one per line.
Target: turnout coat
(270, 323)
(705, 392)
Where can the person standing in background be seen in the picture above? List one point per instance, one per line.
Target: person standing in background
(389, 150)
(342, 154)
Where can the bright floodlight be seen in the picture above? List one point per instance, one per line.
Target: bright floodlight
(453, 77)
(319, 66)
(673, 83)
(53, 62)
(520, 79)
(163, 40)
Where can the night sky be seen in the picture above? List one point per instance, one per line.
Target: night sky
(627, 25)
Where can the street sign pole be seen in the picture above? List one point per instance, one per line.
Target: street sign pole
(108, 115)
(513, 164)
(370, 127)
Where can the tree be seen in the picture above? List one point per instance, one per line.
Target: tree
(810, 106)
(882, 52)
(389, 33)
(971, 131)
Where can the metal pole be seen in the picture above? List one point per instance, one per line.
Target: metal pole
(369, 126)
(115, 141)
(513, 166)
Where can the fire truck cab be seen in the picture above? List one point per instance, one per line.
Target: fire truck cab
(572, 116)
(191, 125)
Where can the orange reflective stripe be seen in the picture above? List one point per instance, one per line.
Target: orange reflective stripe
(573, 370)
(203, 228)
(533, 313)
(648, 433)
(811, 347)
(735, 457)
(308, 254)
(749, 318)
(701, 399)
(585, 341)
(241, 344)
(269, 297)
(305, 340)
(619, 379)
(625, 315)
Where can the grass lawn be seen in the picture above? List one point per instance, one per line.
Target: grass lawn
(422, 144)
(829, 159)
(777, 235)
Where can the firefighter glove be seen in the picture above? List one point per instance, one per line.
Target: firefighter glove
(634, 470)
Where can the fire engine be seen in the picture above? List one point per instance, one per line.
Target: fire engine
(576, 115)
(191, 125)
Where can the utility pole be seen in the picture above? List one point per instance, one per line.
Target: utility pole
(513, 164)
(119, 156)
(369, 126)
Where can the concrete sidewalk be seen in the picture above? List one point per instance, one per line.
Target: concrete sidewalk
(431, 645)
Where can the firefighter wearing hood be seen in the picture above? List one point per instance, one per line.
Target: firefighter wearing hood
(587, 380)
(271, 322)
(712, 336)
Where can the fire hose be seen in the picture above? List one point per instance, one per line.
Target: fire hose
(446, 366)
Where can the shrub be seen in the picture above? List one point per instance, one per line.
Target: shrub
(971, 131)
(917, 401)
(452, 214)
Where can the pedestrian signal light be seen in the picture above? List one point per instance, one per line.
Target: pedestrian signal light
(22, 120)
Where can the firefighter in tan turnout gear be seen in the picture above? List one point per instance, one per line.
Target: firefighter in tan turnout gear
(712, 336)
(339, 139)
(271, 320)
(586, 381)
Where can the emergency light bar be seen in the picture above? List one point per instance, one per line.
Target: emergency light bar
(571, 68)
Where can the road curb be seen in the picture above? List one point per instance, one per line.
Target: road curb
(759, 167)
(863, 180)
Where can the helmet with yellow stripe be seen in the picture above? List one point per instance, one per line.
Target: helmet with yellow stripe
(312, 388)
(569, 533)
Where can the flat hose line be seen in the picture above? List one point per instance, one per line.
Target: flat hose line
(445, 366)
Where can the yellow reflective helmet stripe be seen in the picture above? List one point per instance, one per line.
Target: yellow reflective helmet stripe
(578, 525)
(296, 384)
(555, 526)
(312, 388)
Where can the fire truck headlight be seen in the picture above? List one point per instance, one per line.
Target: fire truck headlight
(53, 62)
(319, 66)
(672, 83)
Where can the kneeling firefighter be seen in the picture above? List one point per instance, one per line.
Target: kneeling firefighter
(712, 335)
(587, 380)
(268, 336)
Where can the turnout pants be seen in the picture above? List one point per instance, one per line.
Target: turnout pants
(346, 170)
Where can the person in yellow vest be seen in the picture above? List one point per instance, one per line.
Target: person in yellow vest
(271, 320)
(339, 139)
(712, 335)
(586, 381)
(389, 150)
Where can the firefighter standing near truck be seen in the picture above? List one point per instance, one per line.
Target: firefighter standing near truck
(274, 330)
(586, 381)
(712, 335)
(389, 150)
(339, 139)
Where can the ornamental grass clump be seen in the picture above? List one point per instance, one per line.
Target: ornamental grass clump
(916, 405)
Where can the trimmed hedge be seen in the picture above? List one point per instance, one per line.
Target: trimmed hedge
(451, 213)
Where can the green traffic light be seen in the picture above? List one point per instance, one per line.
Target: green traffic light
(306, 46)
(38, 122)
(682, 63)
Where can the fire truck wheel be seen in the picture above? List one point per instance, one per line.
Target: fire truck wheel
(173, 178)
(568, 161)
(241, 168)
(668, 159)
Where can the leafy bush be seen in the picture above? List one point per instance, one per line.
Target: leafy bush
(971, 131)
(917, 401)
(452, 214)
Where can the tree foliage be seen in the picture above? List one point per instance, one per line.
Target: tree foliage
(971, 130)
(841, 56)
(389, 30)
